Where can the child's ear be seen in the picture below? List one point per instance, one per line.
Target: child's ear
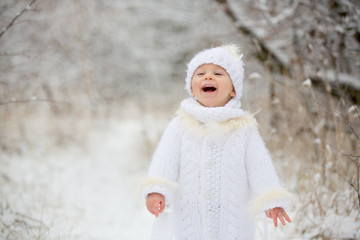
(232, 93)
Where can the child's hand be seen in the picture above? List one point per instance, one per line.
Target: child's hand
(276, 213)
(155, 203)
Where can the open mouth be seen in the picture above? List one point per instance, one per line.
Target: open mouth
(208, 88)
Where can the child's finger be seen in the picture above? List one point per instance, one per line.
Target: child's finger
(267, 213)
(286, 216)
(281, 217)
(162, 206)
(148, 208)
(156, 209)
(275, 220)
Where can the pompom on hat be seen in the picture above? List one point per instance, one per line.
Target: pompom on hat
(227, 57)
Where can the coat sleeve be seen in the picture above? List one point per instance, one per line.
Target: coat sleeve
(164, 167)
(263, 181)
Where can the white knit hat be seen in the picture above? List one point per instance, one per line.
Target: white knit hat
(226, 56)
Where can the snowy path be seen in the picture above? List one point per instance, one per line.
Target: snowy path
(78, 194)
(91, 193)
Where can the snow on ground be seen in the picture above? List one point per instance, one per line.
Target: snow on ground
(77, 194)
(86, 193)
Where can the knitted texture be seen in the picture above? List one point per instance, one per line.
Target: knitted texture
(164, 168)
(225, 56)
(218, 174)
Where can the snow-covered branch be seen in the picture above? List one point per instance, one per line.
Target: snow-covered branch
(331, 53)
(264, 51)
(284, 14)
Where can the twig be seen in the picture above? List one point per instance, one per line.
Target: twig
(28, 217)
(351, 155)
(348, 123)
(349, 182)
(318, 200)
(357, 190)
(7, 227)
(355, 159)
(357, 112)
(6, 54)
(32, 99)
(11, 23)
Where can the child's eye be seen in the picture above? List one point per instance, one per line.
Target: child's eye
(200, 74)
(218, 74)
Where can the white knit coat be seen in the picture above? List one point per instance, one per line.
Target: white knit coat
(215, 172)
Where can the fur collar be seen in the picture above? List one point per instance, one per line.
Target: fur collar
(210, 114)
(214, 128)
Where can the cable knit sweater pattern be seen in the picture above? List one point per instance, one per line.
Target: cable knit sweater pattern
(215, 172)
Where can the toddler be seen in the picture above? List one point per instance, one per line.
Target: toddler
(211, 168)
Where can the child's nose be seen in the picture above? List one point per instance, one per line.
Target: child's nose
(207, 77)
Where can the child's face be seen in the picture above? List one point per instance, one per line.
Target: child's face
(211, 85)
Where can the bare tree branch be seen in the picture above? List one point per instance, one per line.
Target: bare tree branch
(286, 12)
(357, 112)
(11, 23)
(351, 155)
(32, 99)
(351, 128)
(351, 184)
(6, 54)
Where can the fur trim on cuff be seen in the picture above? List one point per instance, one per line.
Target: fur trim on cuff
(214, 128)
(275, 197)
(159, 185)
(154, 181)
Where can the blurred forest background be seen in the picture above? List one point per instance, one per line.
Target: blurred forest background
(87, 87)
